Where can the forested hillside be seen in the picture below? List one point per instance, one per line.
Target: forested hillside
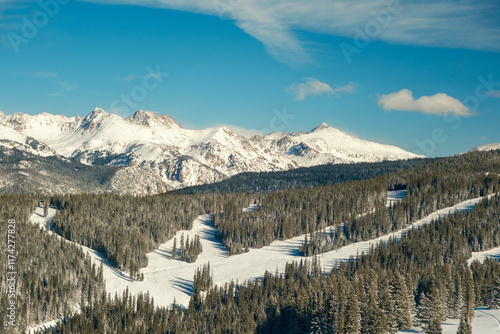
(124, 228)
(422, 278)
(288, 213)
(24, 172)
(357, 206)
(304, 177)
(53, 277)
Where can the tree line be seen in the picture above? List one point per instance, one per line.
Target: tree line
(124, 228)
(426, 193)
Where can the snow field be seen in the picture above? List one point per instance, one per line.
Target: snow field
(484, 322)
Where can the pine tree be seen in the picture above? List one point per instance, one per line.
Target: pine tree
(174, 249)
(182, 248)
(46, 208)
(353, 312)
(431, 311)
(403, 301)
(465, 326)
(387, 305)
(469, 294)
(494, 293)
(459, 298)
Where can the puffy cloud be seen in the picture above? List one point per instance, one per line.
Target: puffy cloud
(438, 104)
(315, 87)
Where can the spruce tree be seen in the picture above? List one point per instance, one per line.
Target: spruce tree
(465, 326)
(431, 311)
(174, 249)
(403, 301)
(494, 293)
(353, 312)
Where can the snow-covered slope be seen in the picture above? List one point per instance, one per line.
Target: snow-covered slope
(488, 147)
(157, 148)
(11, 138)
(325, 144)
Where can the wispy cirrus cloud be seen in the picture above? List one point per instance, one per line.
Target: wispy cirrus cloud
(313, 86)
(466, 24)
(39, 74)
(64, 88)
(438, 104)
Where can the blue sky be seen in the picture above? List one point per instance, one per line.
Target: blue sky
(421, 75)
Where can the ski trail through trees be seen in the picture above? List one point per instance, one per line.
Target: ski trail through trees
(167, 280)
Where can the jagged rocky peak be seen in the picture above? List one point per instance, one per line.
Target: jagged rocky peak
(94, 118)
(152, 119)
(96, 115)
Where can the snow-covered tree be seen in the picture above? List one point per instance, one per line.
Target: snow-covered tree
(431, 311)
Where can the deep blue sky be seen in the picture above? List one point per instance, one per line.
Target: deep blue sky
(239, 63)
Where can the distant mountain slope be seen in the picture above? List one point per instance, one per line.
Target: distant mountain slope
(161, 155)
(325, 144)
(25, 172)
(488, 147)
(304, 177)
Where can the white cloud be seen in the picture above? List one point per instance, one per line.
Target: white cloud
(467, 24)
(438, 104)
(315, 87)
(494, 93)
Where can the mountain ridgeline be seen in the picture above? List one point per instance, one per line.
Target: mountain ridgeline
(157, 154)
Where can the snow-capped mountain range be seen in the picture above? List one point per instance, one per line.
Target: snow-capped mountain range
(159, 150)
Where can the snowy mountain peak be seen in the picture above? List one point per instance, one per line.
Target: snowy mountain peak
(156, 148)
(95, 119)
(323, 126)
(152, 119)
(97, 114)
(488, 147)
